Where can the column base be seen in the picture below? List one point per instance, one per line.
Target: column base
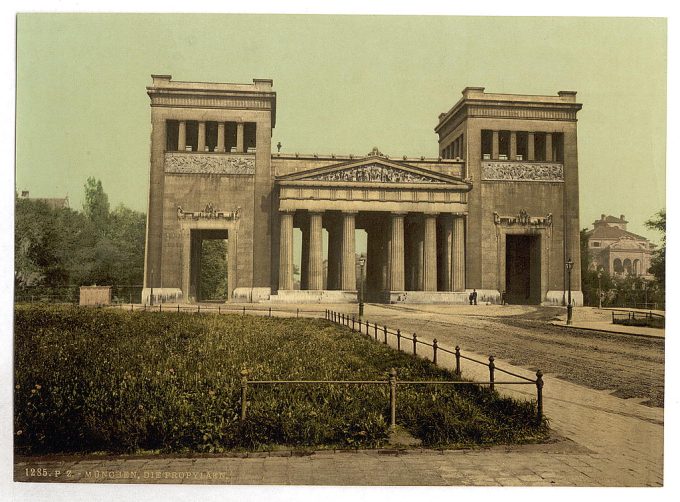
(314, 296)
(450, 297)
(555, 297)
(251, 295)
(162, 295)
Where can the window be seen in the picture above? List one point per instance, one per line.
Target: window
(249, 135)
(171, 135)
(487, 144)
(522, 145)
(596, 244)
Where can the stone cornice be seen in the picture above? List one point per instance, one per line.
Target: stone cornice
(541, 109)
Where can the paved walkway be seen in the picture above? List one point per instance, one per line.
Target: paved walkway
(602, 441)
(594, 319)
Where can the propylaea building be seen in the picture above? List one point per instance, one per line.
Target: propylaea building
(497, 211)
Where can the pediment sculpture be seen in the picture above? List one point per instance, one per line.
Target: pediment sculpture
(374, 173)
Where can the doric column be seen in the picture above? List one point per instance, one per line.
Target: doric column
(315, 252)
(430, 253)
(286, 251)
(239, 137)
(182, 136)
(459, 253)
(348, 263)
(220, 136)
(513, 145)
(531, 155)
(201, 137)
(548, 147)
(494, 145)
(447, 255)
(397, 253)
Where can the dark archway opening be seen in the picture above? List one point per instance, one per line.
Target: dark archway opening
(523, 269)
(209, 265)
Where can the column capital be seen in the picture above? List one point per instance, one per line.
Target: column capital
(398, 213)
(287, 211)
(431, 213)
(349, 211)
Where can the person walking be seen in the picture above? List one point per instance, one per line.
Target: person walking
(474, 297)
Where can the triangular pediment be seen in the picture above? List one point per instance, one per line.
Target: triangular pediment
(373, 170)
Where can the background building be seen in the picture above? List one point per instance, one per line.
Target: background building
(617, 251)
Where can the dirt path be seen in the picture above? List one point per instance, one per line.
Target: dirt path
(629, 367)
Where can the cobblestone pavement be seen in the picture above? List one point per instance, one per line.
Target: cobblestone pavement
(601, 440)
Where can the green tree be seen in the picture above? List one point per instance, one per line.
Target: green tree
(658, 264)
(96, 206)
(214, 269)
(57, 247)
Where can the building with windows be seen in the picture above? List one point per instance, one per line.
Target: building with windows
(496, 210)
(615, 250)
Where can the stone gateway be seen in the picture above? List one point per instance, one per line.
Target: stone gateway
(497, 211)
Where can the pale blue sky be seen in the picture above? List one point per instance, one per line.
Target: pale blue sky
(344, 84)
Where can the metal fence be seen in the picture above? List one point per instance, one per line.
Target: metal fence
(374, 331)
(215, 309)
(120, 293)
(633, 317)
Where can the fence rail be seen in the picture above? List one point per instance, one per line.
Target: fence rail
(219, 309)
(633, 317)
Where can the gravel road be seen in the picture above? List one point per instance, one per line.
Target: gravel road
(628, 366)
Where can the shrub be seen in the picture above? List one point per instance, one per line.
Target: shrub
(106, 380)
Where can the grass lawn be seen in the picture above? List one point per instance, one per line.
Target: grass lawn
(104, 380)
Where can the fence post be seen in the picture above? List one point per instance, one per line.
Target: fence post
(434, 351)
(132, 307)
(375, 327)
(270, 311)
(353, 322)
(612, 317)
(219, 309)
(415, 343)
(492, 366)
(244, 393)
(539, 396)
(385, 332)
(160, 307)
(178, 307)
(199, 308)
(457, 360)
(398, 340)
(244, 310)
(367, 328)
(393, 398)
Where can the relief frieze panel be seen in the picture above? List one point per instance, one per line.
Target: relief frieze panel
(205, 163)
(209, 213)
(522, 171)
(523, 219)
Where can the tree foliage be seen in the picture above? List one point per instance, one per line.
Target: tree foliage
(658, 265)
(214, 269)
(57, 247)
